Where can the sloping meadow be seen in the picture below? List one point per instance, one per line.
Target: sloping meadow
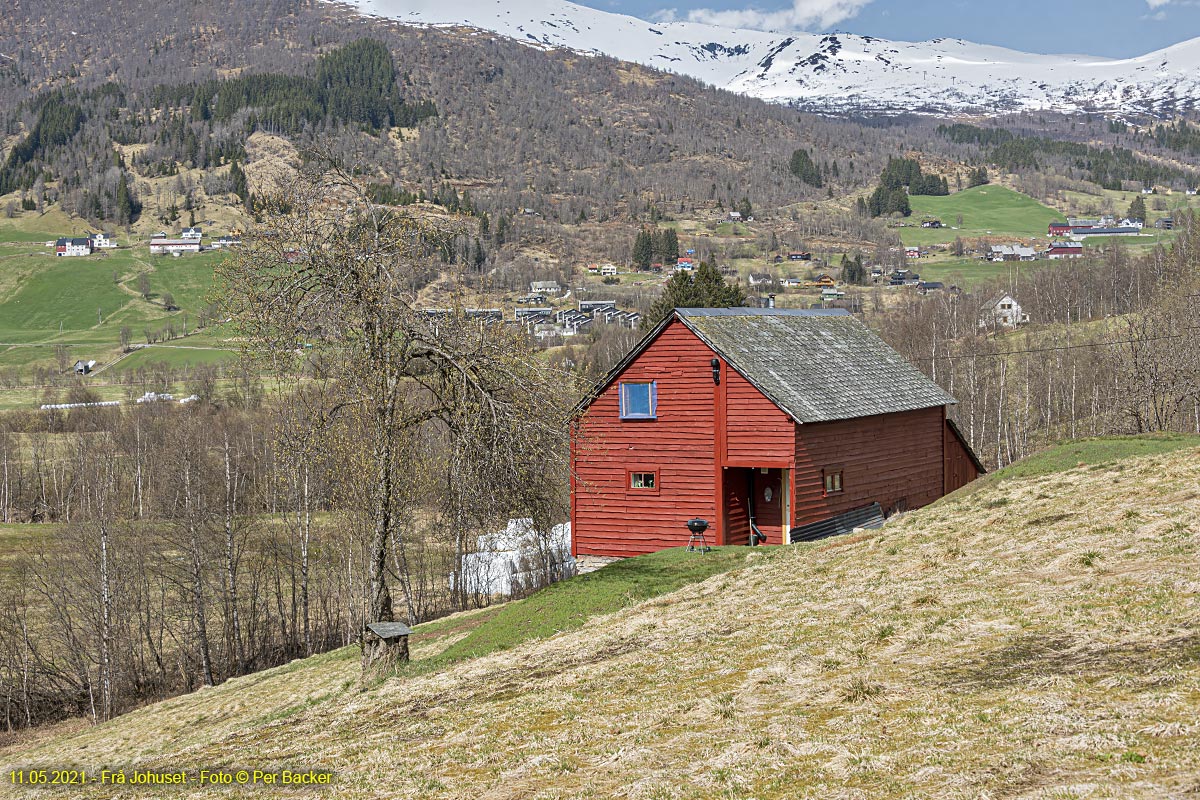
(1036, 637)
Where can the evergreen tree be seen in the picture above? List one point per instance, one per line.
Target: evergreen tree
(978, 177)
(853, 270)
(238, 178)
(705, 288)
(128, 207)
(1137, 209)
(643, 249)
(670, 251)
(802, 167)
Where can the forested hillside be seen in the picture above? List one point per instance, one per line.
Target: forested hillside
(569, 137)
(147, 93)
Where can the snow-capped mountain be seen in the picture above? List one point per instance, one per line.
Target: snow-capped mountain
(835, 72)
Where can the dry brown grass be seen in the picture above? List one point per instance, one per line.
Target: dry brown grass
(270, 161)
(1043, 647)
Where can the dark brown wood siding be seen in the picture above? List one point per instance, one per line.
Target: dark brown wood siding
(612, 519)
(960, 467)
(893, 459)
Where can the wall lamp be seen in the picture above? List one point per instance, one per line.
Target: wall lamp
(716, 367)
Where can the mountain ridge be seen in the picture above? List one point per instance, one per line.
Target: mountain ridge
(835, 72)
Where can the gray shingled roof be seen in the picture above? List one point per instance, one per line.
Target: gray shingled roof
(817, 365)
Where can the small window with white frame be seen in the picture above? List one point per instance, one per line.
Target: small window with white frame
(643, 480)
(639, 399)
(833, 481)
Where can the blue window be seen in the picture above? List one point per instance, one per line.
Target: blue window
(639, 400)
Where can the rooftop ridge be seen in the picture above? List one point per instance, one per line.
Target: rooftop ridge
(762, 312)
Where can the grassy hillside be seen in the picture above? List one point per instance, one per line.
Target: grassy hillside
(986, 211)
(1035, 636)
(82, 304)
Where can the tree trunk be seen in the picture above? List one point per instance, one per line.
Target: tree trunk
(197, 569)
(231, 560)
(380, 609)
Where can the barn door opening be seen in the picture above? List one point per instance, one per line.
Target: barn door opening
(757, 495)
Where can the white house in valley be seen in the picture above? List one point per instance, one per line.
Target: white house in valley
(73, 246)
(1002, 312)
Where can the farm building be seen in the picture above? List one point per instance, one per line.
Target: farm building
(1059, 250)
(1120, 230)
(103, 241)
(766, 420)
(173, 246)
(73, 246)
(1011, 252)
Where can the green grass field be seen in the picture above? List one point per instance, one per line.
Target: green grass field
(14, 235)
(969, 273)
(83, 303)
(568, 605)
(986, 211)
(62, 293)
(175, 356)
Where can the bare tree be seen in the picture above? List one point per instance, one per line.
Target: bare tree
(337, 271)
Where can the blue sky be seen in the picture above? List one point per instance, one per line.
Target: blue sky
(1115, 28)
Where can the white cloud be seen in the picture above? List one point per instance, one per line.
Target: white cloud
(1157, 3)
(802, 14)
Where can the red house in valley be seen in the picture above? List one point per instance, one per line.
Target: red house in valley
(790, 423)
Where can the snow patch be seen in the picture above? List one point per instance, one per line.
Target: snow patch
(841, 72)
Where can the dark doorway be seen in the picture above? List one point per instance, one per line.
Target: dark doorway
(758, 494)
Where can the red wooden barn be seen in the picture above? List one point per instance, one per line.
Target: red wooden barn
(784, 421)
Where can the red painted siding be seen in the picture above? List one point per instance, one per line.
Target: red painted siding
(611, 519)
(893, 459)
(736, 517)
(704, 439)
(757, 432)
